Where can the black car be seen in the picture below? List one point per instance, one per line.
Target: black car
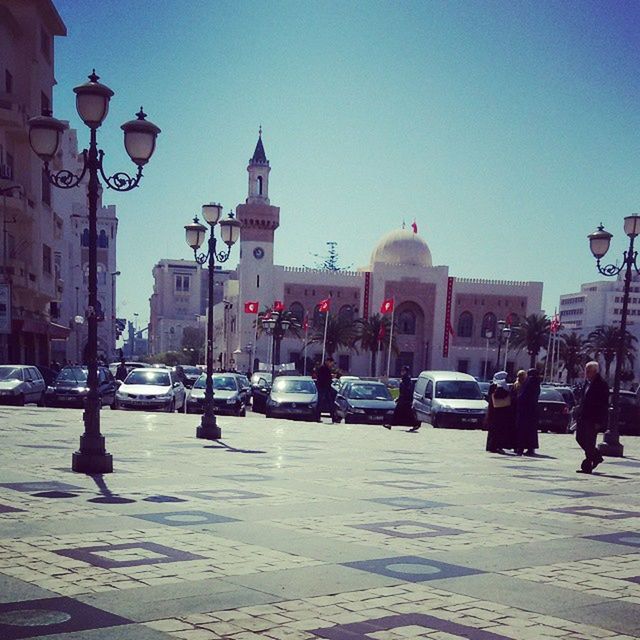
(553, 411)
(191, 374)
(69, 389)
(260, 390)
(629, 414)
(364, 402)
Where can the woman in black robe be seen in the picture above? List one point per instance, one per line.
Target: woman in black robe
(500, 416)
(527, 415)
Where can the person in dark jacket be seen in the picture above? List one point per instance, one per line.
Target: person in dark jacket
(500, 415)
(592, 414)
(323, 383)
(121, 371)
(403, 414)
(527, 415)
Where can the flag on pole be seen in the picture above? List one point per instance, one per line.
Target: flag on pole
(414, 226)
(555, 324)
(381, 333)
(278, 306)
(323, 306)
(251, 307)
(387, 306)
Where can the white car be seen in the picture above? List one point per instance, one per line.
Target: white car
(151, 388)
(20, 384)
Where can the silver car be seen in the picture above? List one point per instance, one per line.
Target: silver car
(20, 384)
(293, 397)
(227, 395)
(151, 388)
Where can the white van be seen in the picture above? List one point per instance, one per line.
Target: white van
(449, 399)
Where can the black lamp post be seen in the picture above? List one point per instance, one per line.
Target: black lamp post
(92, 104)
(599, 242)
(276, 325)
(195, 235)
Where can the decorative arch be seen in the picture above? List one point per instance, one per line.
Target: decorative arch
(103, 240)
(489, 324)
(465, 325)
(407, 322)
(259, 185)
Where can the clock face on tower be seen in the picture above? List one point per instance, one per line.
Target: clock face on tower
(258, 253)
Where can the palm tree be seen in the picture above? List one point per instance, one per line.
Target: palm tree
(532, 335)
(572, 354)
(373, 336)
(603, 343)
(341, 332)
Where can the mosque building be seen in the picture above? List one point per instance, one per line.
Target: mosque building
(440, 321)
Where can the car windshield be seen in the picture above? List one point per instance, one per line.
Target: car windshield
(11, 373)
(458, 390)
(191, 371)
(294, 386)
(369, 392)
(141, 376)
(550, 395)
(220, 383)
(256, 378)
(72, 374)
(567, 396)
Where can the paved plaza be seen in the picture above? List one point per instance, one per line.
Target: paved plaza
(291, 530)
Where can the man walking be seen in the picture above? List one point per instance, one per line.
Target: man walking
(593, 411)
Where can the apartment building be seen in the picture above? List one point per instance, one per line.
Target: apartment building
(31, 257)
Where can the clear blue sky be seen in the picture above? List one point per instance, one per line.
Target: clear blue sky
(509, 130)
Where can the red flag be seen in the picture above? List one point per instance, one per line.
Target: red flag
(323, 305)
(555, 324)
(386, 306)
(414, 226)
(278, 306)
(508, 320)
(381, 333)
(251, 307)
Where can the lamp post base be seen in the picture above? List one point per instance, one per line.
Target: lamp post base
(611, 446)
(92, 458)
(209, 429)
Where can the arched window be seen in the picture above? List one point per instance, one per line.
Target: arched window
(297, 311)
(84, 238)
(407, 323)
(489, 325)
(465, 325)
(103, 241)
(259, 185)
(346, 313)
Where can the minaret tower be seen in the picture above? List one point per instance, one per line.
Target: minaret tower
(259, 221)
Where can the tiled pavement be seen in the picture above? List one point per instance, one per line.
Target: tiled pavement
(289, 530)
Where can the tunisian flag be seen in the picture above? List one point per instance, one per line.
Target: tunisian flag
(323, 305)
(414, 226)
(387, 306)
(251, 307)
(278, 306)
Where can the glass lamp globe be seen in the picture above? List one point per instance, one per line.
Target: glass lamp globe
(195, 234)
(92, 101)
(211, 212)
(632, 225)
(44, 136)
(599, 242)
(140, 138)
(230, 230)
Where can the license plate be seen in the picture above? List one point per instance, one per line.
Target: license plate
(469, 420)
(376, 418)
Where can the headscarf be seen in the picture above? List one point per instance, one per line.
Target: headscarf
(500, 380)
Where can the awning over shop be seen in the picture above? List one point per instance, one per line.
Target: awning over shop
(58, 331)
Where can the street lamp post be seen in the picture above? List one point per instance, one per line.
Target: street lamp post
(599, 242)
(506, 332)
(488, 335)
(501, 326)
(195, 235)
(114, 275)
(92, 104)
(277, 325)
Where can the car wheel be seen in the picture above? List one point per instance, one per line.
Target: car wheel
(348, 420)
(20, 400)
(434, 423)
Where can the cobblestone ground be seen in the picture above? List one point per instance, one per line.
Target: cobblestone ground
(292, 530)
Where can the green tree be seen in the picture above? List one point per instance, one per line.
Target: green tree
(331, 261)
(193, 339)
(603, 343)
(573, 354)
(341, 333)
(532, 334)
(374, 333)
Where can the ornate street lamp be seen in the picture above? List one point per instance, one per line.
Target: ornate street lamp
(599, 242)
(92, 104)
(195, 234)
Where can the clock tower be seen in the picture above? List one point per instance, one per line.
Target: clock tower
(259, 220)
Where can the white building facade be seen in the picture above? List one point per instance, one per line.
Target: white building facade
(442, 322)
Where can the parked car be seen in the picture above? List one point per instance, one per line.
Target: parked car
(245, 388)
(151, 388)
(227, 395)
(484, 388)
(70, 389)
(20, 384)
(629, 415)
(48, 374)
(293, 397)
(449, 399)
(130, 364)
(260, 390)
(554, 413)
(191, 374)
(364, 402)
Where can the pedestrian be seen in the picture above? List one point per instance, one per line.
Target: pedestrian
(520, 378)
(403, 414)
(121, 371)
(500, 415)
(323, 383)
(591, 415)
(180, 375)
(527, 415)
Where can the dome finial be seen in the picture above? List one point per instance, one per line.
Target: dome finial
(404, 226)
(260, 131)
